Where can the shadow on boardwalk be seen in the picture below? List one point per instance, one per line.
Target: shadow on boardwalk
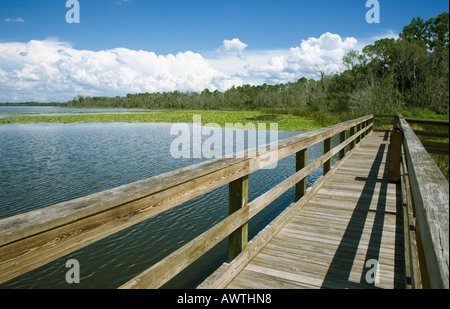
(357, 223)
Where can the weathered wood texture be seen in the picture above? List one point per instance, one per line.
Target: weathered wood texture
(412, 262)
(430, 195)
(354, 217)
(395, 155)
(238, 199)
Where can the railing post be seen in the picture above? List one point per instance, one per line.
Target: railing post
(396, 122)
(326, 148)
(352, 132)
(238, 198)
(342, 138)
(364, 125)
(395, 155)
(300, 162)
(358, 128)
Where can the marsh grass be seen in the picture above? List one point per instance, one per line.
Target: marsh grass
(285, 122)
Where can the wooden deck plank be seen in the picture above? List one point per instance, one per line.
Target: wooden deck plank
(311, 252)
(353, 218)
(249, 279)
(296, 269)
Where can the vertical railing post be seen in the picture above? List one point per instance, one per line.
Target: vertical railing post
(395, 152)
(358, 128)
(300, 163)
(363, 127)
(238, 198)
(342, 138)
(352, 132)
(326, 148)
(396, 122)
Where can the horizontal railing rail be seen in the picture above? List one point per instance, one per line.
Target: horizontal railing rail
(425, 193)
(430, 199)
(433, 147)
(32, 239)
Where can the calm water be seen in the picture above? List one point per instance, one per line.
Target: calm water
(44, 164)
(6, 111)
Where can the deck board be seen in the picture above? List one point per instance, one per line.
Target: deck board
(355, 217)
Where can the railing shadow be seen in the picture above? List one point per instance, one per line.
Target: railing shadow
(344, 258)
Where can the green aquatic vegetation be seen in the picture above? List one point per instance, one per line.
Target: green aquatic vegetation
(285, 122)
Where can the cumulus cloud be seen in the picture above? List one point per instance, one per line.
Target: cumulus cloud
(51, 70)
(314, 55)
(309, 59)
(234, 46)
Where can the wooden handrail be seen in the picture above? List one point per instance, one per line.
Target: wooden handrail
(428, 121)
(430, 199)
(32, 239)
(417, 121)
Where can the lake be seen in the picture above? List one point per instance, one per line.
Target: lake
(9, 111)
(44, 164)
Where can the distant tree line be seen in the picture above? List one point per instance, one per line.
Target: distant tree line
(246, 97)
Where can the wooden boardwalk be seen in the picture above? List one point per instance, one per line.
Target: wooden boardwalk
(355, 217)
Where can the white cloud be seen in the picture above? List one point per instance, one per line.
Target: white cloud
(15, 20)
(50, 70)
(314, 55)
(234, 46)
(54, 71)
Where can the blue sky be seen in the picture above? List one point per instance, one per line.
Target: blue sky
(228, 42)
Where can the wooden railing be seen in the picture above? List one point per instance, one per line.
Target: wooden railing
(432, 147)
(32, 239)
(426, 206)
